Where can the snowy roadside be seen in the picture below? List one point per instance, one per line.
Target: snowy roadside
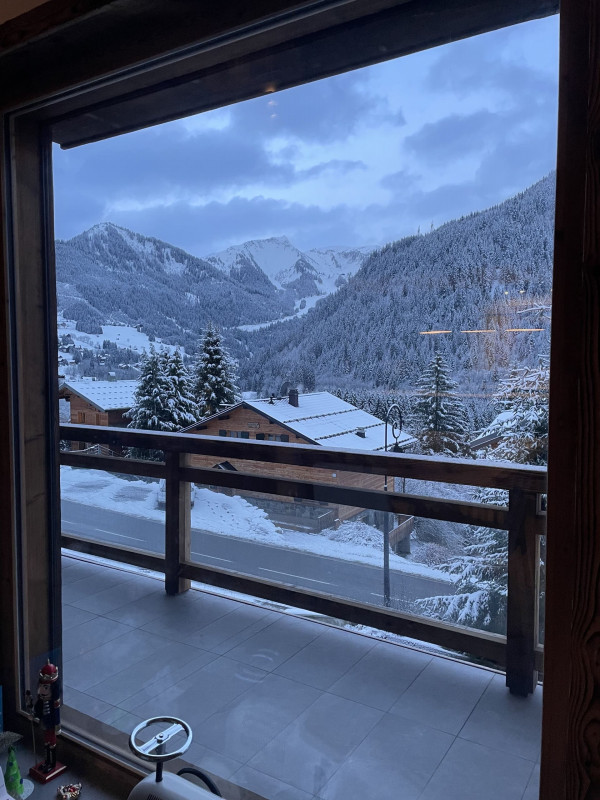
(234, 517)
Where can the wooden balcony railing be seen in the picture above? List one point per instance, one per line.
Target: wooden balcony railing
(518, 652)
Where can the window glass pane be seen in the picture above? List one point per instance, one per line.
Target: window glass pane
(362, 265)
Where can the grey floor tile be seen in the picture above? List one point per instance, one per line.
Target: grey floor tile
(326, 659)
(202, 693)
(273, 645)
(73, 569)
(154, 606)
(263, 622)
(180, 621)
(72, 616)
(90, 585)
(472, 772)
(506, 722)
(81, 701)
(114, 597)
(227, 628)
(266, 786)
(395, 760)
(163, 668)
(88, 635)
(177, 672)
(208, 759)
(250, 721)
(381, 676)
(123, 721)
(533, 787)
(106, 660)
(443, 695)
(308, 752)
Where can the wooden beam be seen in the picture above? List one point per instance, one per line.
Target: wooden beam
(9, 603)
(464, 512)
(177, 524)
(312, 47)
(43, 19)
(33, 380)
(201, 56)
(469, 472)
(570, 766)
(114, 552)
(522, 613)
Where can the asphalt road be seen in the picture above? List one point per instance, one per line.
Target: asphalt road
(340, 578)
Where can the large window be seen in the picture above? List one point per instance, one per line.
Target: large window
(406, 261)
(375, 251)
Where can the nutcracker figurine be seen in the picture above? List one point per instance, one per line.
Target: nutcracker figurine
(46, 710)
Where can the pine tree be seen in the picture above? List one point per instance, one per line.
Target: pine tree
(151, 410)
(214, 375)
(440, 415)
(179, 401)
(482, 573)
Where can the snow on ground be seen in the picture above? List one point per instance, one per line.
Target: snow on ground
(235, 517)
(299, 311)
(122, 335)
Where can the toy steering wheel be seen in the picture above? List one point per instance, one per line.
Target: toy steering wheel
(160, 740)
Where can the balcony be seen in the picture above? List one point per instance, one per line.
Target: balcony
(281, 703)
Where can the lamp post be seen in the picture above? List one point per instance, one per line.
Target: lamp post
(394, 416)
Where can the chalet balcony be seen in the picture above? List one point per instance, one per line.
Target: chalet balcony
(304, 689)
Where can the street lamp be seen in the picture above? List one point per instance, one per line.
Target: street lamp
(394, 416)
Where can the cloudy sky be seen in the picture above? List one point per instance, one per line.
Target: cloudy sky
(359, 159)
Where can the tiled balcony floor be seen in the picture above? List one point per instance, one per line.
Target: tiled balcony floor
(290, 708)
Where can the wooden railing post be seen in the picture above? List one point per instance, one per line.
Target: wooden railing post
(522, 611)
(177, 524)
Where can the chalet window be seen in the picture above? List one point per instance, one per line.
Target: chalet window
(222, 432)
(260, 436)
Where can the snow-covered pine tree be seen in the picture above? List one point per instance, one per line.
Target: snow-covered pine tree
(213, 378)
(482, 573)
(438, 412)
(179, 400)
(151, 410)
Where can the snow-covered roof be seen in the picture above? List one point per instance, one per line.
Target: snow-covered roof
(325, 419)
(105, 395)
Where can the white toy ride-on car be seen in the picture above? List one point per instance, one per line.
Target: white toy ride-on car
(167, 785)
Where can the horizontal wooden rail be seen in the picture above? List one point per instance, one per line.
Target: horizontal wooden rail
(114, 552)
(126, 466)
(466, 472)
(413, 505)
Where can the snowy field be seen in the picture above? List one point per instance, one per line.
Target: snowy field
(122, 335)
(234, 516)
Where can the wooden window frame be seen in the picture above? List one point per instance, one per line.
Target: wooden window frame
(100, 86)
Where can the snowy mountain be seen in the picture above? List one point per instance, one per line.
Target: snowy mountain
(477, 280)
(110, 275)
(306, 274)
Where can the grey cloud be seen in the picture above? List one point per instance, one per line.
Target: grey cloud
(454, 136)
(325, 111)
(202, 230)
(333, 165)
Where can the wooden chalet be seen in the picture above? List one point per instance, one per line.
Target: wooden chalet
(98, 402)
(318, 418)
(102, 403)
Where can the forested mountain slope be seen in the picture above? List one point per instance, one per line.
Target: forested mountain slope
(110, 275)
(484, 272)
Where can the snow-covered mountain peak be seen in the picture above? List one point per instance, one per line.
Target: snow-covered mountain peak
(308, 273)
